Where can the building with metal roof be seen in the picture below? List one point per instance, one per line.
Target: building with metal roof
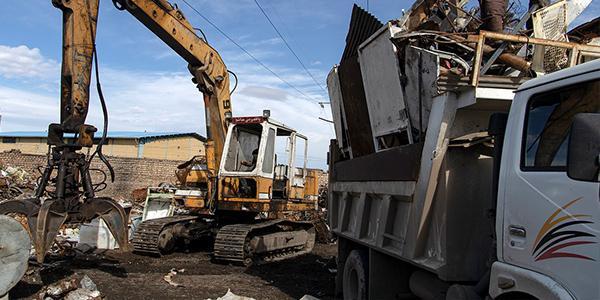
(157, 145)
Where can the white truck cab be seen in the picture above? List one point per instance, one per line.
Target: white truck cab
(548, 192)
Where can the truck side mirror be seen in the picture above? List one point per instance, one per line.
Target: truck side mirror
(584, 148)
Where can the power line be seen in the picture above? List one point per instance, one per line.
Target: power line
(247, 53)
(288, 45)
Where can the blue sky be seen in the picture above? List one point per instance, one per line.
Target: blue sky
(147, 86)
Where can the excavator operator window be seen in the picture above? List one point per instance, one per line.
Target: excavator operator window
(243, 149)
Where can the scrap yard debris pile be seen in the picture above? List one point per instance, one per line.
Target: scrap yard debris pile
(15, 182)
(440, 46)
(75, 287)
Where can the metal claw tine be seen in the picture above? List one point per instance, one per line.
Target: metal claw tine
(113, 215)
(46, 230)
(26, 207)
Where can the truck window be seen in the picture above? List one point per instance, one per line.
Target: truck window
(548, 122)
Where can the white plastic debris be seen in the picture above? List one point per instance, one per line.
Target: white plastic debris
(231, 296)
(309, 297)
(17, 173)
(87, 283)
(88, 290)
(83, 294)
(96, 234)
(169, 277)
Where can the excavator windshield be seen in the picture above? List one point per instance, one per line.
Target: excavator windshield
(242, 153)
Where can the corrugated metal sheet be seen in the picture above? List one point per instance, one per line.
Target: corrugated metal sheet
(362, 26)
(360, 137)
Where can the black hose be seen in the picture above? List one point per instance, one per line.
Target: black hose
(105, 121)
(203, 35)
(102, 104)
(236, 82)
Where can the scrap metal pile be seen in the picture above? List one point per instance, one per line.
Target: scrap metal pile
(439, 46)
(14, 182)
(511, 41)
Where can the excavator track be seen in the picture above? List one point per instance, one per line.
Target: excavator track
(244, 243)
(147, 235)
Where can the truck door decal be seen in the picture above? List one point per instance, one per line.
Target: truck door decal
(551, 238)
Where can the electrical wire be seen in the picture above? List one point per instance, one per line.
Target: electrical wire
(248, 53)
(288, 45)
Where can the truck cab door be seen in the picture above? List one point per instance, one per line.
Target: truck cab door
(550, 222)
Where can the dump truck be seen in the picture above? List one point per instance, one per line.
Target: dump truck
(462, 173)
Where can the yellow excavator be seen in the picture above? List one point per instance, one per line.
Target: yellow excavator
(244, 190)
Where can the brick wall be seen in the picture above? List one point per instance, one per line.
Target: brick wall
(130, 173)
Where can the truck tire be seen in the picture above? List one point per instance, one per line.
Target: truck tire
(355, 276)
(461, 292)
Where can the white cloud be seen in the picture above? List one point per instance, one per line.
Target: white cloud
(590, 13)
(168, 101)
(24, 110)
(165, 54)
(25, 62)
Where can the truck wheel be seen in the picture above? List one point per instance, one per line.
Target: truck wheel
(355, 276)
(461, 292)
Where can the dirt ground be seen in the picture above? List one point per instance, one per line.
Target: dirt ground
(130, 276)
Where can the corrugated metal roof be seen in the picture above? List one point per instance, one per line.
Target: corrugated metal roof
(111, 134)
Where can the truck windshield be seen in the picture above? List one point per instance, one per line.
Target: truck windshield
(242, 154)
(549, 118)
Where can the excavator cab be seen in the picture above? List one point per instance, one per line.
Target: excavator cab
(253, 178)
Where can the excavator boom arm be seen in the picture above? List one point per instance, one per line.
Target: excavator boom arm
(171, 26)
(210, 73)
(79, 30)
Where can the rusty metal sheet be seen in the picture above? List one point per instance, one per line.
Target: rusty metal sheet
(360, 135)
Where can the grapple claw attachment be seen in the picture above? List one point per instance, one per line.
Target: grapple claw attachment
(113, 215)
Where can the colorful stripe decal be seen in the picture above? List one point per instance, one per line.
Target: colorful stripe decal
(551, 235)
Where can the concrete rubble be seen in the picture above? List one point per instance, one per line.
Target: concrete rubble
(76, 287)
